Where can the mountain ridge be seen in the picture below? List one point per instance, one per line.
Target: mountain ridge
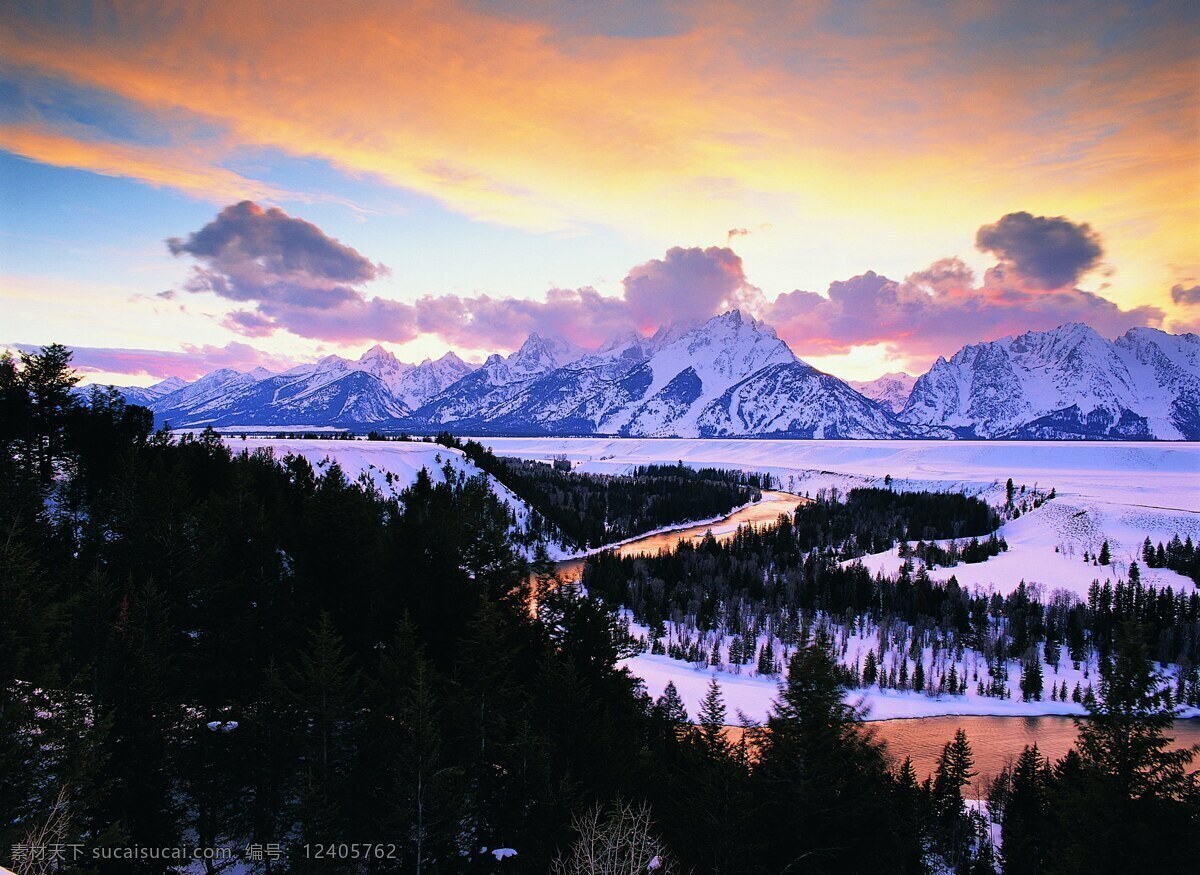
(730, 376)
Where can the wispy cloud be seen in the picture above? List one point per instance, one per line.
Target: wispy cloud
(188, 362)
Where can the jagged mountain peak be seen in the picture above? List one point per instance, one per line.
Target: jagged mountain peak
(538, 354)
(1065, 382)
(377, 353)
(891, 390)
(730, 375)
(169, 385)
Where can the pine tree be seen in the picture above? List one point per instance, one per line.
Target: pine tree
(1031, 677)
(1105, 554)
(324, 689)
(819, 774)
(1026, 831)
(433, 802)
(954, 771)
(870, 670)
(712, 721)
(1131, 804)
(671, 706)
(48, 379)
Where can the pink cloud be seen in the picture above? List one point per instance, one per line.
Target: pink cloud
(187, 363)
(297, 279)
(935, 311)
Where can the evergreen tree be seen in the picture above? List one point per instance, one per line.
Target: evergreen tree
(48, 380)
(870, 670)
(423, 800)
(324, 689)
(712, 721)
(819, 773)
(1131, 802)
(670, 706)
(1031, 677)
(1027, 836)
(954, 830)
(1105, 554)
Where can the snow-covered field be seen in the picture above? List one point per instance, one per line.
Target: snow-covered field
(401, 459)
(1134, 475)
(1119, 492)
(751, 694)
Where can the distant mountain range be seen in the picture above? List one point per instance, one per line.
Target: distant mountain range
(729, 377)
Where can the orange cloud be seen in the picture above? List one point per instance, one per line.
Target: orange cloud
(166, 168)
(833, 126)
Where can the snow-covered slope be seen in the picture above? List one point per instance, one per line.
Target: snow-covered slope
(477, 396)
(642, 387)
(891, 390)
(671, 389)
(392, 466)
(795, 400)
(1066, 383)
(147, 396)
(377, 389)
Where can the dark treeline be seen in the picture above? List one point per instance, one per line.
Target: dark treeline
(1180, 556)
(873, 520)
(205, 648)
(596, 509)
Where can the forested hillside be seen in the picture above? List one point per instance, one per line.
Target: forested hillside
(596, 509)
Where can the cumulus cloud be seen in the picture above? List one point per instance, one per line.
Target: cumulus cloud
(687, 285)
(1185, 295)
(248, 253)
(297, 279)
(937, 310)
(582, 316)
(187, 363)
(1049, 253)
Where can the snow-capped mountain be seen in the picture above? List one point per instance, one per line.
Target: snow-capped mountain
(728, 377)
(491, 386)
(375, 389)
(148, 395)
(796, 400)
(1065, 383)
(891, 390)
(634, 386)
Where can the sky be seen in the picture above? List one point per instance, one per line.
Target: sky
(184, 187)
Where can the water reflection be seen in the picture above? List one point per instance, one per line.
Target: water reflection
(763, 512)
(995, 741)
